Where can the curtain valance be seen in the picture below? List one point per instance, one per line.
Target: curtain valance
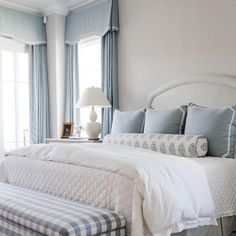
(22, 26)
(98, 20)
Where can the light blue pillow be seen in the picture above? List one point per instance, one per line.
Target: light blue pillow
(218, 125)
(127, 122)
(165, 121)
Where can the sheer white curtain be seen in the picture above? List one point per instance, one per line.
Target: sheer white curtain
(14, 95)
(31, 31)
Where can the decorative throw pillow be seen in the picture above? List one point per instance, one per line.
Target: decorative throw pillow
(165, 121)
(218, 125)
(174, 144)
(127, 122)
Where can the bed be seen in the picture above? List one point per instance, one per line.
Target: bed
(124, 179)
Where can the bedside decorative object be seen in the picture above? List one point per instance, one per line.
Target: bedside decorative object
(93, 97)
(78, 129)
(67, 129)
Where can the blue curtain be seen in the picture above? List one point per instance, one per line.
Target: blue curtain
(110, 70)
(24, 27)
(72, 82)
(101, 19)
(92, 20)
(39, 102)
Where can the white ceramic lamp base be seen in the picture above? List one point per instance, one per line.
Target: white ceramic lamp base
(93, 128)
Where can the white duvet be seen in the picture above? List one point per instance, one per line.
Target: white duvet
(170, 193)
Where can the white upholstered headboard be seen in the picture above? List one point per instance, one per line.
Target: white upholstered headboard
(205, 90)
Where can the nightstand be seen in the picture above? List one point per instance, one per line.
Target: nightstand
(71, 140)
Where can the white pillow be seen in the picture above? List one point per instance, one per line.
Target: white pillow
(174, 144)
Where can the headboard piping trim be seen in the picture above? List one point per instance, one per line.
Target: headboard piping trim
(222, 80)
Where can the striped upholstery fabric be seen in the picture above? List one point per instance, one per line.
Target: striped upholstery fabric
(27, 213)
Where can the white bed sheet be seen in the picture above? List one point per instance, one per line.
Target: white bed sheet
(221, 174)
(89, 185)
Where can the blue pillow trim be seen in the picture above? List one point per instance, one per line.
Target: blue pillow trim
(231, 130)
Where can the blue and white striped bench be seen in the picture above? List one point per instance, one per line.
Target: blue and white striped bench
(27, 213)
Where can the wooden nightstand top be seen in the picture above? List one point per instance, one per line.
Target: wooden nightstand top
(71, 140)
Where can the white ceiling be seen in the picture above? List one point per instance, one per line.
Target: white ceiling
(45, 7)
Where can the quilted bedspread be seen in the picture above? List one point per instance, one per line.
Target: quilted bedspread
(166, 193)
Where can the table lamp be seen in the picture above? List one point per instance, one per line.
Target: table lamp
(93, 97)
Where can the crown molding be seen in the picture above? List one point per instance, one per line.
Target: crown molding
(55, 9)
(20, 7)
(85, 3)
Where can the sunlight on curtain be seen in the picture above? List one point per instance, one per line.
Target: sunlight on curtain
(39, 94)
(71, 83)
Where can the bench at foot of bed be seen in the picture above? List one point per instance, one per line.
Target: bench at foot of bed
(24, 212)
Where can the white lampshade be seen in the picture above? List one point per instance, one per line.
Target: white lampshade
(93, 97)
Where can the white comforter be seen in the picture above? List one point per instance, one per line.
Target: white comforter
(170, 193)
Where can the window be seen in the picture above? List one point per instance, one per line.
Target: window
(14, 94)
(89, 71)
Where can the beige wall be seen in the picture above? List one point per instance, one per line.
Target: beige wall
(162, 40)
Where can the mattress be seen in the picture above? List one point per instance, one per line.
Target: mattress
(103, 188)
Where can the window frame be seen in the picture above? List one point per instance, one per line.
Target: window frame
(90, 41)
